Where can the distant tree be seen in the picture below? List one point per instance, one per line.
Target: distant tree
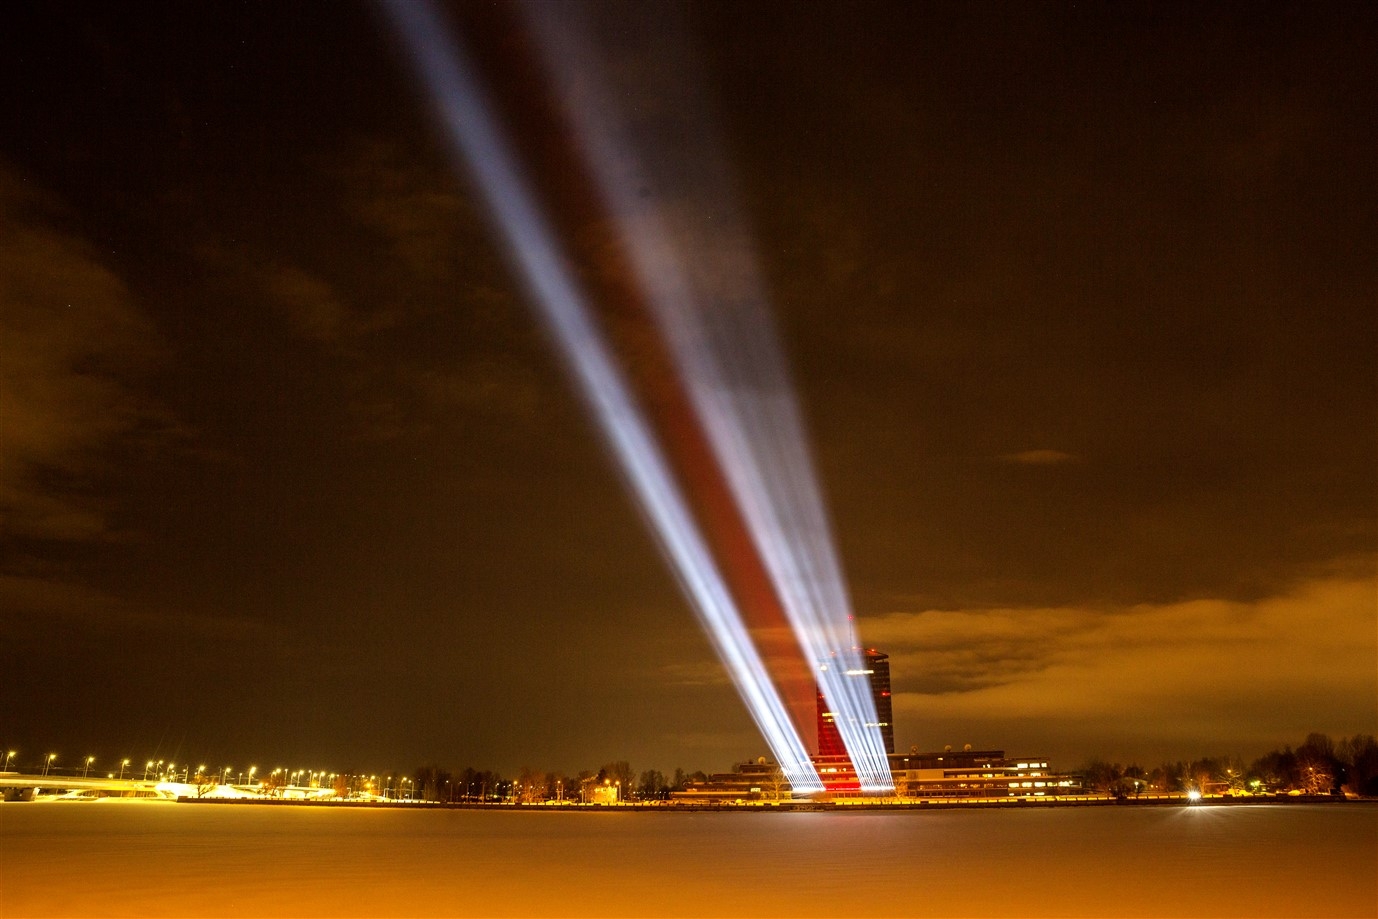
(567, 787)
(1205, 774)
(532, 785)
(777, 785)
(1277, 771)
(1102, 777)
(1316, 774)
(677, 783)
(432, 783)
(341, 786)
(1318, 746)
(480, 784)
(1359, 754)
(621, 774)
(204, 784)
(1234, 774)
(466, 784)
(1318, 767)
(653, 786)
(1174, 776)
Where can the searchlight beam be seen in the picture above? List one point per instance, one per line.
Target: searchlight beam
(724, 346)
(531, 247)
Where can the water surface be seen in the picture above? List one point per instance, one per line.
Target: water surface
(124, 859)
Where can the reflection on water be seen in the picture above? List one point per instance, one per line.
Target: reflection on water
(109, 858)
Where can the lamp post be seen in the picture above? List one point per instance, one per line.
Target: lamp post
(8, 756)
(87, 768)
(124, 764)
(48, 762)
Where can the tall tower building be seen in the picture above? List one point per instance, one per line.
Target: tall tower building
(875, 670)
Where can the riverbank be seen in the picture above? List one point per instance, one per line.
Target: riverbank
(844, 806)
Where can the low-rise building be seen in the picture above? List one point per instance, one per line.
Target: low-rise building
(946, 775)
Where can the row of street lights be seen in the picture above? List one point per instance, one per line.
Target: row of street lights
(405, 787)
(162, 770)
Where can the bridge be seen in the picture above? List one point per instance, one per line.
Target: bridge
(22, 785)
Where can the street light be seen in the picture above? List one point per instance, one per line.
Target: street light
(48, 762)
(8, 756)
(123, 763)
(87, 768)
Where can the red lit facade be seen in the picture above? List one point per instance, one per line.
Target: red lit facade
(876, 671)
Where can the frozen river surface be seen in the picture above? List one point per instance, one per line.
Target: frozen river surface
(123, 859)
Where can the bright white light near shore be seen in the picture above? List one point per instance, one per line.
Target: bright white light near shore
(534, 252)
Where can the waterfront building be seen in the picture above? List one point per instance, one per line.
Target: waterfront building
(875, 671)
(939, 776)
(966, 774)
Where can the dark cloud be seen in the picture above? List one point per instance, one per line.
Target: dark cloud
(73, 348)
(1200, 674)
(309, 305)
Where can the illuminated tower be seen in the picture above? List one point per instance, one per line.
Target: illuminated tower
(876, 672)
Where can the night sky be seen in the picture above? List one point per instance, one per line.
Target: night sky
(1080, 303)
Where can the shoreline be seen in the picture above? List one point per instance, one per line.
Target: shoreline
(916, 806)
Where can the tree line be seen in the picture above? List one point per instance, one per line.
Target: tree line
(532, 786)
(1319, 766)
